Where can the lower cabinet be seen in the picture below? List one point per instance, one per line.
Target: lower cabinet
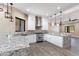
(31, 38)
(56, 40)
(61, 41)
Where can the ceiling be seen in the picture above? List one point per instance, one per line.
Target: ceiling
(42, 9)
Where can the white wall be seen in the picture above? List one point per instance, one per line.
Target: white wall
(9, 27)
(31, 22)
(44, 23)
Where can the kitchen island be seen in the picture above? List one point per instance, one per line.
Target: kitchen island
(15, 45)
(61, 40)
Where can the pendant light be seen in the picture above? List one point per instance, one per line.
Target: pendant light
(60, 17)
(55, 20)
(7, 13)
(11, 12)
(1, 7)
(60, 24)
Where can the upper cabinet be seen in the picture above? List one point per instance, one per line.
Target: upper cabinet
(31, 22)
(45, 23)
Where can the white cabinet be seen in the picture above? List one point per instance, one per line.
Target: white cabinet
(46, 37)
(57, 40)
(31, 38)
(61, 41)
(31, 22)
(44, 23)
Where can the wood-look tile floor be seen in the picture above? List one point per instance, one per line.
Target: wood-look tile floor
(48, 49)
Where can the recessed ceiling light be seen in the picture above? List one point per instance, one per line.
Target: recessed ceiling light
(27, 9)
(58, 8)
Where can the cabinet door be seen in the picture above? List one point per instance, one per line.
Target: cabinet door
(46, 37)
(56, 40)
(32, 38)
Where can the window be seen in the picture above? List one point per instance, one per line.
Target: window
(70, 29)
(20, 25)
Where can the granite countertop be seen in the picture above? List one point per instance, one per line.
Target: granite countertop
(11, 43)
(22, 33)
(30, 33)
(10, 47)
(42, 32)
(60, 34)
(15, 51)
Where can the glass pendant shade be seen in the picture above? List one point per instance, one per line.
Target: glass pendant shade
(11, 19)
(11, 12)
(55, 20)
(60, 23)
(60, 17)
(55, 23)
(7, 15)
(1, 7)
